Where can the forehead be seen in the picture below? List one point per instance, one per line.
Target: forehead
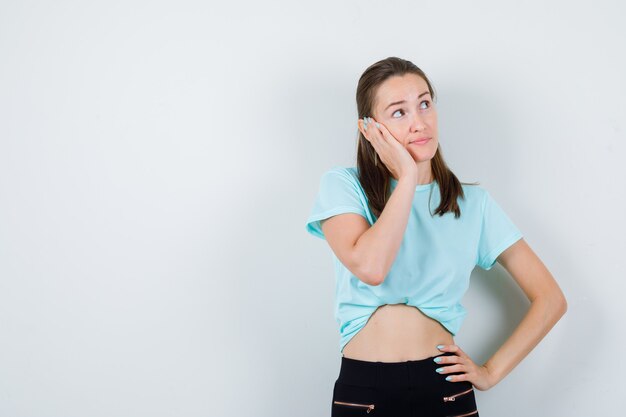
(406, 87)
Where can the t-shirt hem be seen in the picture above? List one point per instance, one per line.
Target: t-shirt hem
(491, 257)
(315, 229)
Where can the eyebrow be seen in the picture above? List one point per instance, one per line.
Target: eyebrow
(404, 101)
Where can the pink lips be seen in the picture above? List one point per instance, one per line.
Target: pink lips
(420, 142)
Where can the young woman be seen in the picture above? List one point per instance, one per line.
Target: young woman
(405, 235)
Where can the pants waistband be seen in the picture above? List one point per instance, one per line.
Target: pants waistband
(410, 373)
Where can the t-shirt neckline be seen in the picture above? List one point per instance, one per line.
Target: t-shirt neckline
(418, 187)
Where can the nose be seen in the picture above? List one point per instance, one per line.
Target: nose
(417, 123)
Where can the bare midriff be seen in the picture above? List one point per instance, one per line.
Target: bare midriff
(397, 333)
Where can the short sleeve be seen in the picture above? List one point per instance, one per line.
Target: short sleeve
(338, 193)
(497, 233)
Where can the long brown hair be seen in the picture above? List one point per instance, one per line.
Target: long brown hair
(375, 179)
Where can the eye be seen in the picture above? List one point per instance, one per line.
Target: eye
(423, 108)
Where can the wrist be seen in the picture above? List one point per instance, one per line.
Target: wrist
(408, 179)
(493, 377)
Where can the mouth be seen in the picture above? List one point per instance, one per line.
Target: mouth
(420, 141)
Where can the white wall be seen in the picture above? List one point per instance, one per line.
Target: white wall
(158, 161)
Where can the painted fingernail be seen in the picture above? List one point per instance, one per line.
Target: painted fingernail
(439, 346)
(437, 360)
(448, 378)
(377, 124)
(439, 370)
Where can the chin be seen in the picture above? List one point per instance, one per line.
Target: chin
(423, 156)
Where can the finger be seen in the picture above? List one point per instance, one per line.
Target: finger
(457, 378)
(448, 359)
(379, 141)
(374, 135)
(362, 127)
(385, 133)
(457, 350)
(367, 130)
(379, 126)
(450, 369)
(376, 128)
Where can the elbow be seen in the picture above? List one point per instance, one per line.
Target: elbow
(378, 277)
(371, 276)
(558, 304)
(554, 305)
(562, 302)
(377, 280)
(369, 269)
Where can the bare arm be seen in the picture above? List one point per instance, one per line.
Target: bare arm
(368, 252)
(547, 306)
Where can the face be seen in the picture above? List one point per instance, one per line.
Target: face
(404, 105)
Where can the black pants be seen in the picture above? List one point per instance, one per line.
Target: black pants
(400, 389)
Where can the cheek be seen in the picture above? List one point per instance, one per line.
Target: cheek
(434, 143)
(399, 130)
(397, 133)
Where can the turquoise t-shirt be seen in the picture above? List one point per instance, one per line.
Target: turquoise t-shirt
(435, 259)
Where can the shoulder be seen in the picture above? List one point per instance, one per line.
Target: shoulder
(345, 171)
(475, 193)
(344, 174)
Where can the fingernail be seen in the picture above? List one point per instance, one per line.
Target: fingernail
(439, 370)
(439, 346)
(448, 378)
(437, 360)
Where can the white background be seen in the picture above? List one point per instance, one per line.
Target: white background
(158, 161)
